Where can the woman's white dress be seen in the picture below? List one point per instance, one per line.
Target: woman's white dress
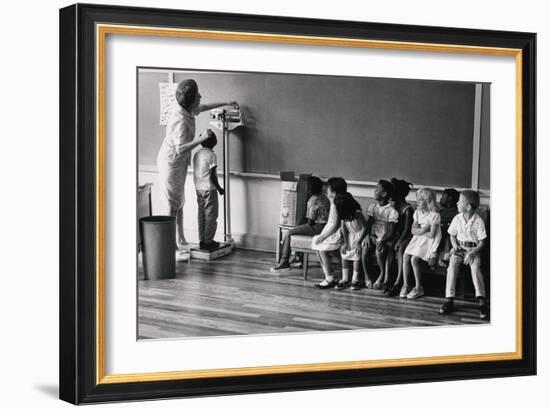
(173, 161)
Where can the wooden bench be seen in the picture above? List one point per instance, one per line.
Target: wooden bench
(302, 244)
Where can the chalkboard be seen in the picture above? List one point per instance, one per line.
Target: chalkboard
(356, 127)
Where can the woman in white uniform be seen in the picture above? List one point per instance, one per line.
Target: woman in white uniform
(174, 155)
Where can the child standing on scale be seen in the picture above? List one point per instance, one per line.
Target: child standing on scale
(402, 235)
(207, 188)
(353, 225)
(468, 237)
(382, 218)
(426, 231)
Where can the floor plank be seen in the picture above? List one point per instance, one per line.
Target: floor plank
(238, 295)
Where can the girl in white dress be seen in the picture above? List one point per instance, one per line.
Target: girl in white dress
(426, 231)
(330, 239)
(353, 226)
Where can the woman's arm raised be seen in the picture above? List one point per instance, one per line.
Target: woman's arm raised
(214, 105)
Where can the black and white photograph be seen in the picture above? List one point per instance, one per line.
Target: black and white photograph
(279, 203)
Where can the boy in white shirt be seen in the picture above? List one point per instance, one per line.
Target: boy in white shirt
(468, 237)
(207, 188)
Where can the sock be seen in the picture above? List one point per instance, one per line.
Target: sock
(345, 274)
(328, 274)
(355, 276)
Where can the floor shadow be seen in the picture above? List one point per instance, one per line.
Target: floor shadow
(49, 390)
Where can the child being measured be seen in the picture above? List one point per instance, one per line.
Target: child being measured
(468, 237)
(353, 225)
(207, 188)
(426, 231)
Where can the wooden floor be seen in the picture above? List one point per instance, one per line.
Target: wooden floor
(238, 295)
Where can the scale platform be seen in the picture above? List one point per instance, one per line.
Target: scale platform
(209, 255)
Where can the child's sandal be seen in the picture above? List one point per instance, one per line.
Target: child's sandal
(356, 285)
(342, 284)
(369, 284)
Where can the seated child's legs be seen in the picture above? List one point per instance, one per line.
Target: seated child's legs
(345, 269)
(417, 265)
(399, 254)
(366, 253)
(303, 229)
(388, 257)
(477, 277)
(453, 270)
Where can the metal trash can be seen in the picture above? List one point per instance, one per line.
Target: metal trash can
(158, 240)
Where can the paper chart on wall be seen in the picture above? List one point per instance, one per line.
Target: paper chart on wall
(167, 92)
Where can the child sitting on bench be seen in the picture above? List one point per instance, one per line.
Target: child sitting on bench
(318, 207)
(468, 236)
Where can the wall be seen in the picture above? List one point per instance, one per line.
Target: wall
(356, 127)
(255, 206)
(401, 116)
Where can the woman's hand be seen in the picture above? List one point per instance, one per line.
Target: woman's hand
(203, 137)
(317, 240)
(366, 242)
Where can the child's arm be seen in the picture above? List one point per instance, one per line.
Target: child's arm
(365, 233)
(344, 234)
(406, 228)
(214, 180)
(416, 229)
(183, 147)
(326, 233)
(470, 255)
(389, 233)
(368, 230)
(431, 230)
(310, 212)
(454, 244)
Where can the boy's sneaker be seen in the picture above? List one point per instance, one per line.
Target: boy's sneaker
(447, 308)
(416, 292)
(282, 266)
(404, 291)
(484, 312)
